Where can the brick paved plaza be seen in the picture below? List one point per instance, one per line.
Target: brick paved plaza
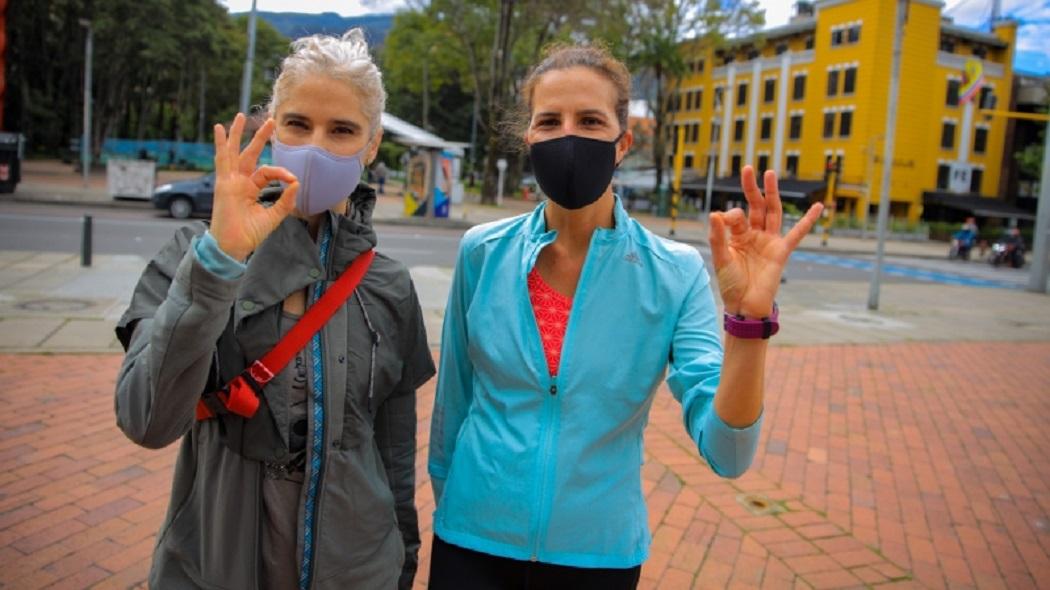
(894, 465)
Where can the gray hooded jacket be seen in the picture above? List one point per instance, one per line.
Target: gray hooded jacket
(188, 331)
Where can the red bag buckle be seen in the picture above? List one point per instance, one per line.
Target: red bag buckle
(241, 395)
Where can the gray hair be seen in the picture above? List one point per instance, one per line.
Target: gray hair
(345, 59)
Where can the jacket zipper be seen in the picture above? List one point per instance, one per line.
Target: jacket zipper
(318, 450)
(551, 401)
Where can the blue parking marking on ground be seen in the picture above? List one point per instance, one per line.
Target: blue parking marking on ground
(902, 271)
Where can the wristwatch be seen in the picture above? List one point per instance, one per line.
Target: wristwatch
(741, 327)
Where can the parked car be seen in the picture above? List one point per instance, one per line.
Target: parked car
(186, 197)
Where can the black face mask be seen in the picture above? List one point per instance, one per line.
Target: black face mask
(572, 170)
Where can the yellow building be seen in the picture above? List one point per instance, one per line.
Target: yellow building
(794, 98)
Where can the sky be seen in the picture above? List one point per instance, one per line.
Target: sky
(1033, 45)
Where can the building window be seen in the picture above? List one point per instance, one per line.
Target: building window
(741, 95)
(829, 125)
(719, 93)
(832, 164)
(947, 45)
(948, 135)
(700, 67)
(987, 100)
(699, 98)
(799, 90)
(716, 128)
(796, 127)
(809, 42)
(980, 140)
(833, 82)
(836, 37)
(782, 48)
(712, 164)
(853, 34)
(849, 80)
(952, 99)
(770, 91)
(792, 166)
(767, 127)
(845, 123)
(763, 165)
(735, 168)
(688, 161)
(738, 130)
(980, 52)
(975, 180)
(943, 172)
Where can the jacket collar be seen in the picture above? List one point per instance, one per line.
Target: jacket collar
(537, 223)
(289, 259)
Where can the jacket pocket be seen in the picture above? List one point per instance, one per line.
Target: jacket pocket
(215, 532)
(373, 371)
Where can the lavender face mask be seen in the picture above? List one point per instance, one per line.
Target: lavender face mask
(325, 179)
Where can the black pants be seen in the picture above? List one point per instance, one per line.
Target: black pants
(456, 568)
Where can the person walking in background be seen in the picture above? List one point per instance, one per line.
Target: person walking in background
(559, 326)
(298, 476)
(380, 172)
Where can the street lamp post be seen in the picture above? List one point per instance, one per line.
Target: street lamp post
(887, 154)
(246, 81)
(85, 137)
(1040, 250)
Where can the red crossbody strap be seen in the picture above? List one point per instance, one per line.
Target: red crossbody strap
(239, 396)
(315, 317)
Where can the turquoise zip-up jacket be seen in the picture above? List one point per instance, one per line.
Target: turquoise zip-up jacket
(531, 466)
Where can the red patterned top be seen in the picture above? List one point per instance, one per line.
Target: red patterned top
(552, 316)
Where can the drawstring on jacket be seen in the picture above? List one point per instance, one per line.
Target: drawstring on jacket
(375, 344)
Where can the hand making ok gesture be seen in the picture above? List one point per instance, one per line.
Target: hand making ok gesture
(749, 264)
(239, 221)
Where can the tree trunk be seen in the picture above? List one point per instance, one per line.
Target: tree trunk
(497, 91)
(660, 112)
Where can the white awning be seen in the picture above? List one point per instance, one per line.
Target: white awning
(408, 134)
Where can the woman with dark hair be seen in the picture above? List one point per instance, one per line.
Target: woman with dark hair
(560, 325)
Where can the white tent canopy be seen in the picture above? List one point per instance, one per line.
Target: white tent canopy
(408, 134)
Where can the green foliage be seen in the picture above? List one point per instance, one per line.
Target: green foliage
(151, 62)
(1030, 159)
(390, 154)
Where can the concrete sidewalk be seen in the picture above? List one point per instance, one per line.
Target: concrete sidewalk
(49, 303)
(47, 181)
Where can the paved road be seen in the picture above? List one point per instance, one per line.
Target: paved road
(143, 231)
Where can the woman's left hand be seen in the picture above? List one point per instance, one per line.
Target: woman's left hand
(749, 264)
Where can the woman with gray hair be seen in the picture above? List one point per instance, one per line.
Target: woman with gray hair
(298, 472)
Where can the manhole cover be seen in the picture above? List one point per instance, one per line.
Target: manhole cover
(758, 504)
(53, 305)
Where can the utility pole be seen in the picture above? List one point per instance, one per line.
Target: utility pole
(887, 152)
(426, 91)
(246, 82)
(1040, 250)
(85, 138)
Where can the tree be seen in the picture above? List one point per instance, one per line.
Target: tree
(665, 34)
(162, 69)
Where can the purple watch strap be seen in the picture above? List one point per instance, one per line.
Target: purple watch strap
(741, 327)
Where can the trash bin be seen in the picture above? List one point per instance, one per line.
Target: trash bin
(10, 161)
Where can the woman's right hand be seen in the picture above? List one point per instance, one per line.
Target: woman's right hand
(239, 222)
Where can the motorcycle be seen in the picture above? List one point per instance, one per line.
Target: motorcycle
(1007, 252)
